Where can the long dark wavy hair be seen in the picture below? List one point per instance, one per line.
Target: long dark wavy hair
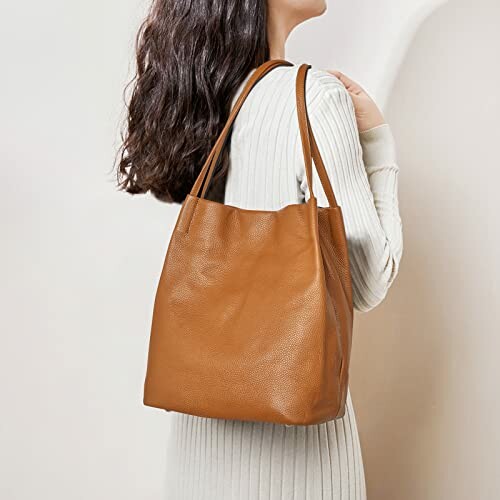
(192, 55)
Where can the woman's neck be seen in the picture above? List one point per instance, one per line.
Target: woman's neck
(277, 33)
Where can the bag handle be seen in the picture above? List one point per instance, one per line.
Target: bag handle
(209, 166)
(309, 145)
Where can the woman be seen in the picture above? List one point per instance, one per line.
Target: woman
(193, 59)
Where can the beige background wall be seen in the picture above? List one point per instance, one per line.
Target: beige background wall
(79, 261)
(426, 372)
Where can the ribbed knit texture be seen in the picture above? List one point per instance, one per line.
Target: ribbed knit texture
(212, 459)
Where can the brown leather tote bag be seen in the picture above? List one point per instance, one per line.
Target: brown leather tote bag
(253, 314)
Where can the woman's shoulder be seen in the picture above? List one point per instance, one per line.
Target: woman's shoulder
(315, 75)
(321, 85)
(325, 94)
(324, 89)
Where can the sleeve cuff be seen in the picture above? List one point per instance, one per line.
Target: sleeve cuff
(378, 146)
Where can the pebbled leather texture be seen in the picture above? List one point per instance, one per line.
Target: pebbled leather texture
(253, 313)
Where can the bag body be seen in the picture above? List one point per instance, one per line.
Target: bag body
(253, 313)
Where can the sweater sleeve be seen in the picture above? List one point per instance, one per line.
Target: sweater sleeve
(364, 174)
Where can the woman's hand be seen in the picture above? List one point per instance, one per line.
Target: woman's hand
(367, 113)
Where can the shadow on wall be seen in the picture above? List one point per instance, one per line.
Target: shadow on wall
(425, 367)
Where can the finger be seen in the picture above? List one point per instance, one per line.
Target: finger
(343, 78)
(348, 83)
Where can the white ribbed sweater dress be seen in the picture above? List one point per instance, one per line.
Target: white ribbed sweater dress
(212, 459)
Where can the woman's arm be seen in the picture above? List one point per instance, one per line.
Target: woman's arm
(364, 175)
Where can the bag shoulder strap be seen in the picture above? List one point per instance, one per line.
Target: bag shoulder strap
(208, 168)
(309, 145)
